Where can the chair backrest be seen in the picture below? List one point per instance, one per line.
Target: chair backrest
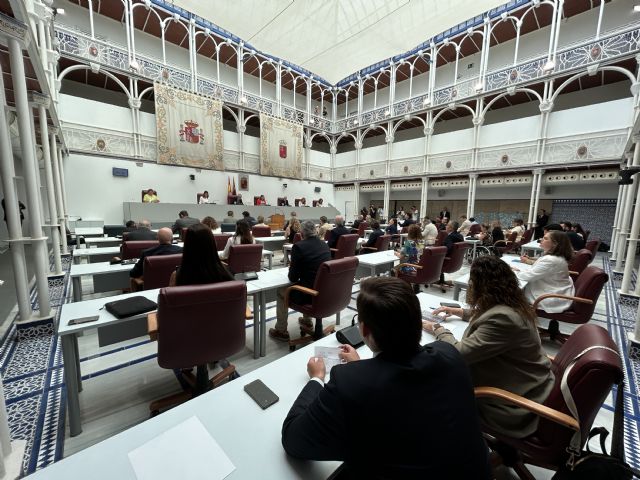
(256, 200)
(134, 249)
(431, 262)
(280, 201)
(475, 229)
(346, 246)
(453, 263)
(442, 234)
(334, 281)
(361, 228)
(327, 234)
(526, 236)
(590, 382)
(198, 324)
(588, 285)
(158, 269)
(314, 203)
(221, 240)
(183, 233)
(296, 202)
(125, 235)
(586, 235)
(382, 243)
(593, 246)
(245, 258)
(297, 237)
(198, 196)
(259, 231)
(580, 261)
(228, 227)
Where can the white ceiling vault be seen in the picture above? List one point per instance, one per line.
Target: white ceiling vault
(335, 38)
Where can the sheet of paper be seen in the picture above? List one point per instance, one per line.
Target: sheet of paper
(330, 355)
(186, 451)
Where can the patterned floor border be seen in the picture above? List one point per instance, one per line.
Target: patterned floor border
(33, 376)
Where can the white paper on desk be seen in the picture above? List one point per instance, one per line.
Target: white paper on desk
(330, 355)
(186, 451)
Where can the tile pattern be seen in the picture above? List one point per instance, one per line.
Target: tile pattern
(597, 214)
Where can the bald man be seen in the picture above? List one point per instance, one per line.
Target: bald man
(165, 237)
(143, 232)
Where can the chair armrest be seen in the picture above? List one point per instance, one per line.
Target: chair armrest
(558, 295)
(369, 248)
(571, 272)
(152, 326)
(419, 267)
(333, 249)
(534, 407)
(506, 242)
(300, 288)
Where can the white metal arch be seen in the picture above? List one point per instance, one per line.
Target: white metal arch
(395, 127)
(612, 68)
(233, 114)
(320, 134)
(343, 135)
(207, 36)
(504, 94)
(104, 72)
(144, 92)
(453, 107)
(363, 134)
(246, 119)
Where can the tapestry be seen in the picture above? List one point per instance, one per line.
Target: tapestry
(280, 147)
(189, 129)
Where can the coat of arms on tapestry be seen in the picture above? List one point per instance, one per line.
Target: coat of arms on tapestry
(280, 147)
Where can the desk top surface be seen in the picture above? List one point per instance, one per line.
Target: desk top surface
(377, 258)
(102, 240)
(89, 231)
(534, 245)
(87, 252)
(250, 436)
(280, 238)
(511, 260)
(99, 268)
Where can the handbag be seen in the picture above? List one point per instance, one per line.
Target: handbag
(350, 335)
(130, 307)
(585, 464)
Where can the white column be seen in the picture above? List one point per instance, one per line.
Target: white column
(356, 197)
(540, 173)
(619, 212)
(626, 213)
(7, 175)
(38, 241)
(58, 190)
(241, 128)
(633, 242)
(358, 145)
(423, 196)
(389, 140)
(63, 187)
(386, 199)
(473, 179)
(333, 149)
(48, 174)
(134, 105)
(307, 153)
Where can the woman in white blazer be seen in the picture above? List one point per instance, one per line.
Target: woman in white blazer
(550, 273)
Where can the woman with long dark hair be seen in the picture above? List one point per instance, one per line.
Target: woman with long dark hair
(200, 261)
(242, 236)
(501, 345)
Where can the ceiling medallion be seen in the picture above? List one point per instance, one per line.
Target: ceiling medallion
(371, 172)
(504, 158)
(218, 92)
(448, 164)
(93, 51)
(165, 74)
(406, 169)
(595, 52)
(454, 93)
(513, 76)
(101, 144)
(582, 150)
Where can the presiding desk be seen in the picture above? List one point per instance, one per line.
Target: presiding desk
(249, 436)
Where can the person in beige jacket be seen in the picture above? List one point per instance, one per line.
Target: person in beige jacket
(501, 345)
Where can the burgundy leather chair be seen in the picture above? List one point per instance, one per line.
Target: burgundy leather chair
(428, 268)
(297, 237)
(134, 249)
(196, 325)
(475, 229)
(245, 258)
(382, 244)
(327, 235)
(442, 234)
(259, 231)
(586, 235)
(526, 238)
(361, 228)
(183, 233)
(508, 245)
(580, 261)
(346, 246)
(331, 293)
(588, 287)
(593, 246)
(221, 240)
(453, 263)
(158, 269)
(589, 381)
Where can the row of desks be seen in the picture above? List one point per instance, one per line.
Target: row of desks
(250, 436)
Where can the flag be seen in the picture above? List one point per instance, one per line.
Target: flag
(233, 192)
(228, 185)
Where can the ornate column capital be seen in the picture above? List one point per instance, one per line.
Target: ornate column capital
(134, 103)
(39, 99)
(428, 130)
(389, 138)
(477, 120)
(538, 171)
(333, 149)
(473, 176)
(546, 106)
(241, 128)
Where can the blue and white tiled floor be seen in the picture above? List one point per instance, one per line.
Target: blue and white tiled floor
(116, 396)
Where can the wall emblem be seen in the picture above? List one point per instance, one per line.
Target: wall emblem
(101, 144)
(283, 149)
(582, 150)
(93, 51)
(189, 132)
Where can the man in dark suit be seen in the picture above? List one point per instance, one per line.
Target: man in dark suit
(248, 218)
(130, 226)
(373, 237)
(541, 221)
(165, 237)
(445, 213)
(337, 232)
(577, 242)
(143, 232)
(184, 221)
(306, 257)
(407, 413)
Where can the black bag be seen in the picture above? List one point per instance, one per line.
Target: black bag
(350, 335)
(130, 307)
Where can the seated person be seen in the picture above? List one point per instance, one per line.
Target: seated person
(409, 412)
(357, 222)
(577, 241)
(550, 273)
(496, 231)
(444, 223)
(465, 225)
(204, 198)
(229, 218)
(392, 228)
(261, 201)
(261, 222)
(409, 220)
(501, 345)
(291, 230)
(320, 203)
(306, 257)
(373, 237)
(238, 200)
(242, 236)
(411, 249)
(303, 202)
(292, 215)
(246, 216)
(165, 247)
(518, 227)
(150, 197)
(453, 237)
(143, 232)
(130, 226)
(212, 224)
(429, 232)
(324, 227)
(183, 221)
(284, 202)
(485, 236)
(337, 231)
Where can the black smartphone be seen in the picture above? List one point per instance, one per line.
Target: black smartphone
(450, 304)
(78, 321)
(261, 394)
